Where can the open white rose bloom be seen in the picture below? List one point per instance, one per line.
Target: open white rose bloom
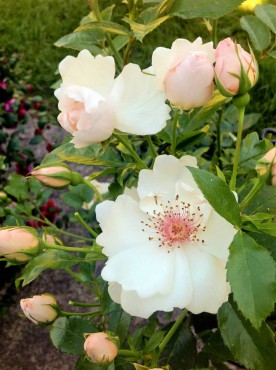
(166, 245)
(93, 102)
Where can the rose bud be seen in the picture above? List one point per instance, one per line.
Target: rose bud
(56, 176)
(264, 164)
(236, 70)
(39, 308)
(185, 72)
(18, 243)
(101, 348)
(50, 239)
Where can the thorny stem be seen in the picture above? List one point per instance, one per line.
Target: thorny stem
(85, 225)
(132, 152)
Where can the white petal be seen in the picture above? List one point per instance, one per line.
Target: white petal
(162, 58)
(167, 171)
(140, 106)
(181, 48)
(218, 235)
(209, 281)
(85, 70)
(180, 295)
(121, 226)
(146, 269)
(132, 192)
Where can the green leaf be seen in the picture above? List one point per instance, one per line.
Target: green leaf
(203, 115)
(154, 341)
(51, 259)
(264, 201)
(267, 241)
(184, 353)
(17, 187)
(84, 364)
(272, 53)
(141, 30)
(80, 41)
(259, 33)
(108, 27)
(213, 9)
(251, 273)
(67, 334)
(253, 149)
(218, 195)
(255, 349)
(267, 14)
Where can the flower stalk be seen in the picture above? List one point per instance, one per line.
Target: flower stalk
(175, 123)
(240, 102)
(66, 249)
(132, 152)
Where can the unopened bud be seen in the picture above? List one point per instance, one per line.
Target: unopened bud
(101, 348)
(18, 243)
(39, 308)
(53, 176)
(50, 239)
(266, 162)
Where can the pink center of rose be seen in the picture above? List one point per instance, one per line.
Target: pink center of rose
(174, 225)
(74, 115)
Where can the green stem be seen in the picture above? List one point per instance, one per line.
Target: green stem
(218, 126)
(77, 278)
(127, 352)
(64, 248)
(173, 329)
(175, 122)
(151, 146)
(132, 152)
(128, 49)
(254, 190)
(214, 32)
(82, 304)
(85, 225)
(92, 313)
(96, 191)
(232, 184)
(98, 15)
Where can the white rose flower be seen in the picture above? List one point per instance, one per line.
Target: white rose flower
(93, 103)
(166, 246)
(185, 72)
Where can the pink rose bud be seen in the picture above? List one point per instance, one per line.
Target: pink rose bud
(264, 164)
(185, 72)
(190, 83)
(236, 70)
(39, 308)
(53, 176)
(50, 239)
(101, 348)
(18, 243)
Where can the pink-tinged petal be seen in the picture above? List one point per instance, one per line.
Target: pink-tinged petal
(94, 127)
(140, 106)
(121, 225)
(85, 70)
(190, 83)
(210, 288)
(181, 48)
(149, 270)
